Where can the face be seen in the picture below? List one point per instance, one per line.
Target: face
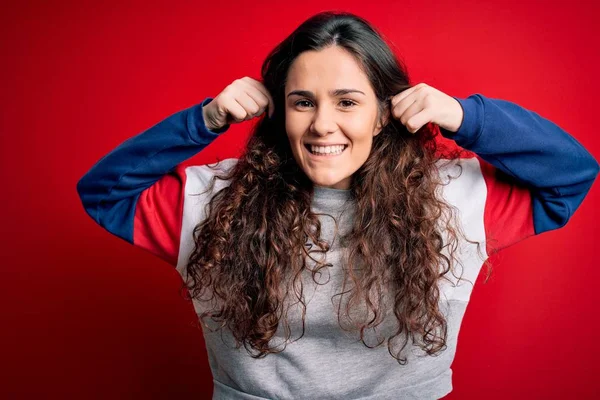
(331, 115)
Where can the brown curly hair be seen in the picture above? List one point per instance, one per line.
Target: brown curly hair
(253, 243)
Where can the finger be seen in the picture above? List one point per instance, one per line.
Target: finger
(418, 120)
(261, 87)
(411, 111)
(406, 116)
(402, 95)
(401, 110)
(259, 97)
(235, 110)
(249, 104)
(271, 104)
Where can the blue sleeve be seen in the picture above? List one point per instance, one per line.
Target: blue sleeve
(556, 168)
(109, 191)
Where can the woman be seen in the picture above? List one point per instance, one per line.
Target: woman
(344, 226)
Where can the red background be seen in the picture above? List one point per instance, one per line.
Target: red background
(86, 315)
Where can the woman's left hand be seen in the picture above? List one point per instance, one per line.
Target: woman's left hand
(421, 104)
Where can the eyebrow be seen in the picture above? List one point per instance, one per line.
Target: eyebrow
(335, 93)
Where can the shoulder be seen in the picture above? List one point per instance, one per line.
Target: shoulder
(462, 179)
(463, 187)
(199, 177)
(197, 197)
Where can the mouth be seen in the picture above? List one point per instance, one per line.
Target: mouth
(339, 151)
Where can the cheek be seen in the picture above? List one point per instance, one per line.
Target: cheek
(359, 126)
(360, 134)
(362, 145)
(294, 127)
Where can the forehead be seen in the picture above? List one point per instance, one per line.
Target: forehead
(330, 68)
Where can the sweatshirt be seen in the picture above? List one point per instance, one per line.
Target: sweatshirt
(523, 175)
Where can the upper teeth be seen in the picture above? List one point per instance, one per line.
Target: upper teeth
(327, 149)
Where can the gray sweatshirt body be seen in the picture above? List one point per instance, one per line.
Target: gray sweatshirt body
(329, 362)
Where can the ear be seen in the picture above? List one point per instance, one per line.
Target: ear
(383, 121)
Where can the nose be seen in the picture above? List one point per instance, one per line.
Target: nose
(323, 121)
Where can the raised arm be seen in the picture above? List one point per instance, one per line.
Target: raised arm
(537, 174)
(137, 191)
(555, 167)
(140, 183)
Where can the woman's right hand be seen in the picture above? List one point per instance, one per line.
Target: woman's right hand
(242, 100)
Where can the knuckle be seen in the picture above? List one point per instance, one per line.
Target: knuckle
(427, 99)
(221, 110)
(227, 91)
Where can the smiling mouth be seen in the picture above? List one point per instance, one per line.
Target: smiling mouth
(308, 148)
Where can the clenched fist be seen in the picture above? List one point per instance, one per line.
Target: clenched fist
(242, 100)
(421, 104)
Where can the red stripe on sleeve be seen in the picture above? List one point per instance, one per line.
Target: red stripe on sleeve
(159, 210)
(508, 215)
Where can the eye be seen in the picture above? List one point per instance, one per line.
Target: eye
(305, 103)
(301, 103)
(348, 103)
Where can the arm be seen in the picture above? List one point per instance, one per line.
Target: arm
(136, 191)
(537, 174)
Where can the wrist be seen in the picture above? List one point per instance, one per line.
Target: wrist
(206, 115)
(207, 120)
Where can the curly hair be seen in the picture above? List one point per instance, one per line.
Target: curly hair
(251, 249)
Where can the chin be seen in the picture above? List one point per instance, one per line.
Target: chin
(324, 181)
(330, 183)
